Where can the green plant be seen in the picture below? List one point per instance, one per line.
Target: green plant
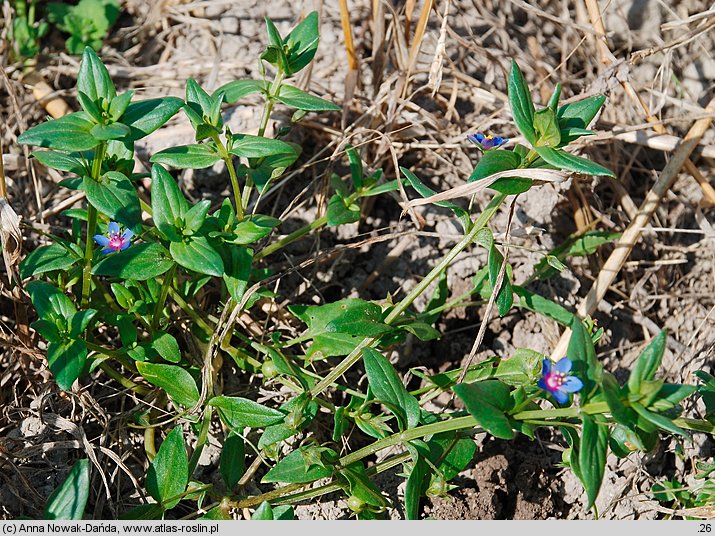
(87, 22)
(26, 30)
(125, 310)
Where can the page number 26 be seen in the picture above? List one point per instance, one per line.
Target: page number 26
(705, 527)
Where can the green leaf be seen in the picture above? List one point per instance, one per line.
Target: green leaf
(505, 296)
(196, 156)
(387, 387)
(47, 259)
(547, 128)
(487, 401)
(196, 254)
(119, 105)
(522, 107)
(249, 146)
(66, 361)
(360, 485)
(167, 202)
(339, 213)
(93, 78)
(297, 98)
(583, 356)
(264, 512)
(579, 114)
(494, 162)
(336, 328)
(233, 460)
(113, 131)
(196, 215)
(69, 500)
(145, 116)
(303, 465)
(68, 133)
(569, 162)
(453, 453)
(238, 89)
(168, 474)
(198, 99)
(425, 191)
(176, 381)
(592, 455)
(554, 98)
(301, 43)
(534, 302)
(415, 488)
(166, 346)
(253, 228)
(115, 196)
(61, 161)
(239, 412)
(237, 271)
(80, 321)
(138, 262)
(612, 393)
(658, 420)
(356, 170)
(50, 302)
(648, 362)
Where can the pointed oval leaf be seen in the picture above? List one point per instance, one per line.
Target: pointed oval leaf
(68, 133)
(69, 500)
(93, 78)
(173, 379)
(563, 160)
(648, 362)
(168, 473)
(139, 262)
(145, 116)
(592, 454)
(249, 146)
(167, 202)
(522, 107)
(115, 196)
(66, 361)
(387, 387)
(238, 89)
(47, 259)
(195, 156)
(239, 413)
(196, 254)
(297, 98)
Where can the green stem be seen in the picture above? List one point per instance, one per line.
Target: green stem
(270, 101)
(292, 237)
(227, 157)
(201, 441)
(125, 382)
(165, 285)
(400, 308)
(99, 152)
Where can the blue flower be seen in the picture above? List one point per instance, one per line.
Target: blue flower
(487, 142)
(114, 240)
(555, 379)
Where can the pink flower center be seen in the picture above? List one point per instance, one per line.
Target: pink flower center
(116, 241)
(555, 380)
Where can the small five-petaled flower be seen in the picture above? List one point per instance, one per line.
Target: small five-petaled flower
(487, 142)
(114, 240)
(555, 379)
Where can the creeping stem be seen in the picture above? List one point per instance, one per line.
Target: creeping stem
(99, 153)
(400, 308)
